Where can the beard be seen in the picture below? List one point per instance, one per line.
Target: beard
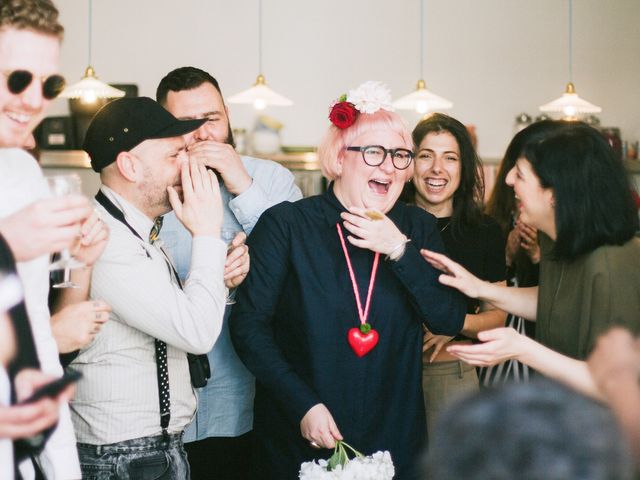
(229, 140)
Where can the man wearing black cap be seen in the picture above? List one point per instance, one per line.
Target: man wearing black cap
(135, 397)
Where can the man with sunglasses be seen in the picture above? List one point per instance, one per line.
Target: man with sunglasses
(30, 37)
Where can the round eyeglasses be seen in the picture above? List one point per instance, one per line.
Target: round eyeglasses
(374, 155)
(19, 80)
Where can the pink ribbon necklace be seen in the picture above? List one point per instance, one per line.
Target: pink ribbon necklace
(361, 339)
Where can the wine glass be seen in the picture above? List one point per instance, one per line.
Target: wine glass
(60, 186)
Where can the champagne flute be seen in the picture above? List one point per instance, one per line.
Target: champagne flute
(60, 186)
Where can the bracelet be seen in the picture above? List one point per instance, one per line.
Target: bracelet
(397, 251)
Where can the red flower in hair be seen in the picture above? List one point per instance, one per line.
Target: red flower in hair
(343, 114)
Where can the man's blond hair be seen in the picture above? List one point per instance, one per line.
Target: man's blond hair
(38, 15)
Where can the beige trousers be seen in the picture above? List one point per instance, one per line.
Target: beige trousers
(444, 382)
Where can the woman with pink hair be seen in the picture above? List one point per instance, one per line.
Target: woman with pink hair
(330, 318)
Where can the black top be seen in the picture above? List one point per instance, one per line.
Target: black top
(290, 328)
(478, 248)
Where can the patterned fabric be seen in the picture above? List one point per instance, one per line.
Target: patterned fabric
(158, 458)
(155, 230)
(164, 396)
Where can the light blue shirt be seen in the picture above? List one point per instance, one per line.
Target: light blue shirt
(225, 404)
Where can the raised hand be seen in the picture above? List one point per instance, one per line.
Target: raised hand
(455, 275)
(201, 210)
(94, 234)
(372, 230)
(51, 225)
(318, 427)
(499, 345)
(529, 240)
(223, 159)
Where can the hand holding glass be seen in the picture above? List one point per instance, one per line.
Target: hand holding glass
(59, 186)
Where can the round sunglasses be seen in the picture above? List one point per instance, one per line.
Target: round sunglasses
(19, 80)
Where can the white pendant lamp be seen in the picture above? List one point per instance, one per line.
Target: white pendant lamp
(422, 100)
(570, 105)
(260, 95)
(89, 88)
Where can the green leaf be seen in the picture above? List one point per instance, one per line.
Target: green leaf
(343, 98)
(365, 328)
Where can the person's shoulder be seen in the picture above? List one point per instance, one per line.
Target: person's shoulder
(413, 213)
(607, 256)
(17, 160)
(259, 166)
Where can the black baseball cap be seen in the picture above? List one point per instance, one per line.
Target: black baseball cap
(124, 123)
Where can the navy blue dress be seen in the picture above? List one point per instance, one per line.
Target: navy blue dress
(290, 329)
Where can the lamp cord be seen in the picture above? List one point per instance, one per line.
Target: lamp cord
(571, 41)
(421, 39)
(89, 23)
(260, 37)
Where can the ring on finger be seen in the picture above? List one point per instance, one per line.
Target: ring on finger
(314, 445)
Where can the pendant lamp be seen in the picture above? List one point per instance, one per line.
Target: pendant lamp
(260, 95)
(89, 88)
(422, 100)
(570, 105)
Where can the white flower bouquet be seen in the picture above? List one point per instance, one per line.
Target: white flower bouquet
(378, 466)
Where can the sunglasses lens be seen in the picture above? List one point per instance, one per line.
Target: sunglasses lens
(18, 81)
(53, 86)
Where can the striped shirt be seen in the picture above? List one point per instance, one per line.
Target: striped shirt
(117, 398)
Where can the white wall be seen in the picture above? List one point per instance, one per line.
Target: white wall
(492, 58)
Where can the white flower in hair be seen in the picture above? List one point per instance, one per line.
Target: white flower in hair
(370, 97)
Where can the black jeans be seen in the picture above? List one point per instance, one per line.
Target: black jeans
(220, 458)
(146, 458)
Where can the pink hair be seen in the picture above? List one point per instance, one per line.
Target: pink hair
(334, 142)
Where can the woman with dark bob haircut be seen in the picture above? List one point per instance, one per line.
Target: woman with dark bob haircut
(572, 188)
(447, 183)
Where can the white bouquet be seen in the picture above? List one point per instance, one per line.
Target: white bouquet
(378, 466)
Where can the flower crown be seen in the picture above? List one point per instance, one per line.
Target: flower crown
(367, 98)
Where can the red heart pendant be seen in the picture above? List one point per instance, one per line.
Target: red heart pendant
(360, 342)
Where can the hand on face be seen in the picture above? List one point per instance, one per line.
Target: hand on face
(223, 159)
(51, 225)
(201, 210)
(380, 235)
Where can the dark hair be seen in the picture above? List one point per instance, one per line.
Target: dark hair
(593, 201)
(183, 78)
(537, 430)
(502, 203)
(467, 199)
(38, 15)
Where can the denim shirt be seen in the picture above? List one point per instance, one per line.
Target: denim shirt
(225, 404)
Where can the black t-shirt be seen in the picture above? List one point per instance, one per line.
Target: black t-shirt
(479, 249)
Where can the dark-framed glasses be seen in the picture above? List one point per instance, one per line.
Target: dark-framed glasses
(374, 155)
(19, 80)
